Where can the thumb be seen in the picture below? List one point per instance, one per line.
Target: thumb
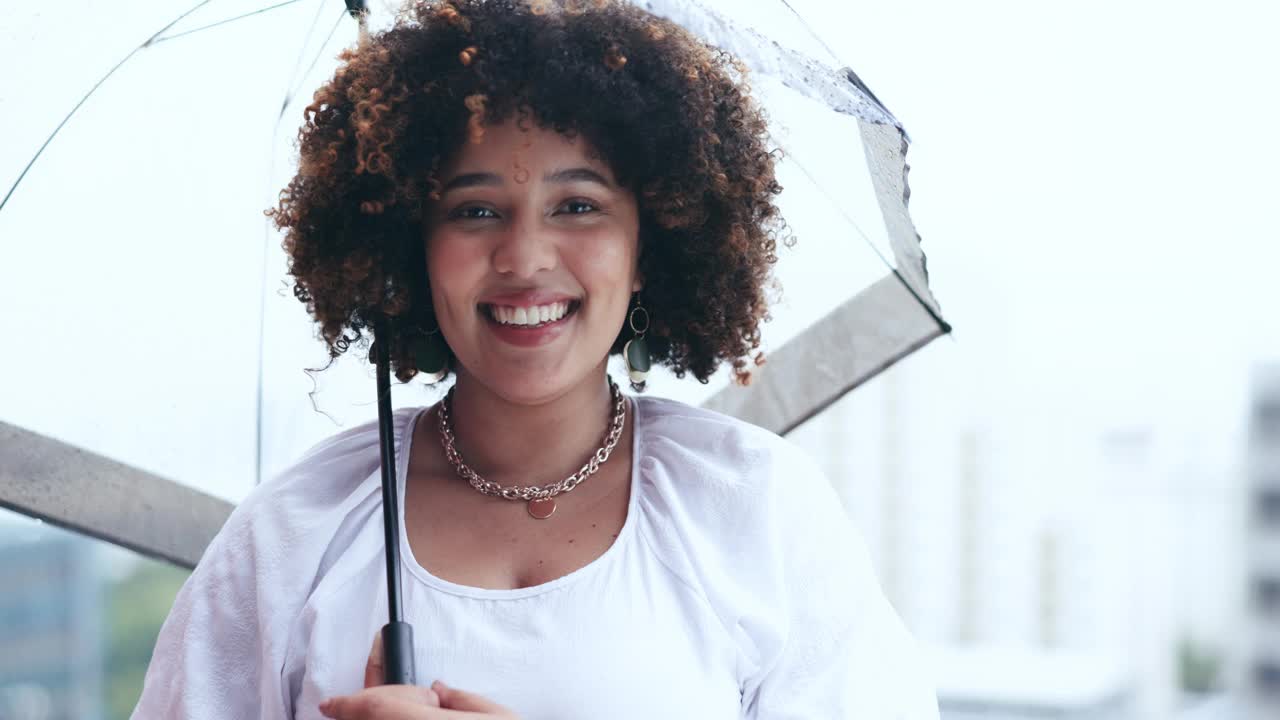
(373, 672)
(455, 699)
(375, 675)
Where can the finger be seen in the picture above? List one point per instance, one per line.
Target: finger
(455, 699)
(385, 702)
(371, 707)
(373, 672)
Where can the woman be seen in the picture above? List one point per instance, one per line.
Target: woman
(524, 191)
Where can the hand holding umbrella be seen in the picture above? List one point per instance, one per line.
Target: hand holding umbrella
(409, 702)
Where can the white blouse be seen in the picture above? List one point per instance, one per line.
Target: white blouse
(737, 588)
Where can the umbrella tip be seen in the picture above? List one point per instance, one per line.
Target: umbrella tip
(360, 11)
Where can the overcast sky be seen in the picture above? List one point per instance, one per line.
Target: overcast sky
(1095, 184)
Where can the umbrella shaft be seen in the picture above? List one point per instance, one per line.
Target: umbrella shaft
(397, 635)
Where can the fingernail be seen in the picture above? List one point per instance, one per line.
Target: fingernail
(438, 686)
(325, 705)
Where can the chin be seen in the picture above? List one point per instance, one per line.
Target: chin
(529, 385)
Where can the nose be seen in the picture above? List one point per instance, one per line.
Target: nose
(525, 250)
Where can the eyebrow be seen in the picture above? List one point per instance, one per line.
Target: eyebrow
(577, 174)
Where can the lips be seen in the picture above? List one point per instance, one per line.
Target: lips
(526, 298)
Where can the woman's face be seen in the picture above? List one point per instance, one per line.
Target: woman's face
(532, 256)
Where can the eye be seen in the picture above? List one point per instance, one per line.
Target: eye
(580, 207)
(471, 212)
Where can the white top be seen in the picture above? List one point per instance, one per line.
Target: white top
(737, 588)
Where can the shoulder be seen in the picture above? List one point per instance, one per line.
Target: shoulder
(704, 454)
(751, 522)
(279, 544)
(745, 516)
(284, 526)
(721, 495)
(327, 472)
(696, 431)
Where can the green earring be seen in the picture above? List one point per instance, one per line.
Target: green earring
(430, 353)
(636, 352)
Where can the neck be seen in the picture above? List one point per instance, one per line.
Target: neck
(529, 444)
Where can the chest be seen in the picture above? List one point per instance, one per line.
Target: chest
(623, 641)
(467, 538)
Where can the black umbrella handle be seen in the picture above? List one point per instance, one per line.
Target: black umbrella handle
(397, 635)
(397, 654)
(356, 8)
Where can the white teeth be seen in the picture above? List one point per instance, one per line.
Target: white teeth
(529, 316)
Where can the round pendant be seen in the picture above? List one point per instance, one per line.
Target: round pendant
(543, 508)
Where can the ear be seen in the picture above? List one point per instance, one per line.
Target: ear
(637, 284)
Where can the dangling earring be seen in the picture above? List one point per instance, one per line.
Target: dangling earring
(636, 352)
(430, 353)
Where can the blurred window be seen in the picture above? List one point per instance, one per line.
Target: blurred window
(1266, 418)
(1266, 677)
(1268, 506)
(78, 620)
(1266, 594)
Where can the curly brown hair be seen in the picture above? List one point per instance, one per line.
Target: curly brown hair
(671, 114)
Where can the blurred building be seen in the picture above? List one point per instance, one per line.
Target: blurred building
(1103, 551)
(50, 627)
(984, 683)
(1261, 667)
(983, 552)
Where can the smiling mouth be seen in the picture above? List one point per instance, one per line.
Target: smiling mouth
(534, 317)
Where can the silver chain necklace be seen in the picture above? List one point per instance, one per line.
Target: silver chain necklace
(540, 498)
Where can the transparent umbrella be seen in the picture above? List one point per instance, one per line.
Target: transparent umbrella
(154, 321)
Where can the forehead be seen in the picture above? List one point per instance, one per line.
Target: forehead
(510, 145)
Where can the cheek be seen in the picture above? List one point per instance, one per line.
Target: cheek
(606, 263)
(452, 266)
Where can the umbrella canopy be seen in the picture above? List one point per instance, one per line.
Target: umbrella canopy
(157, 324)
(856, 295)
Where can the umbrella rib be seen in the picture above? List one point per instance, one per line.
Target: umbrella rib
(87, 95)
(289, 97)
(892, 268)
(223, 22)
(837, 206)
(306, 40)
(262, 295)
(946, 327)
(811, 31)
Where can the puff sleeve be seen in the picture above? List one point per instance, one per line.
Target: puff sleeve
(224, 649)
(213, 658)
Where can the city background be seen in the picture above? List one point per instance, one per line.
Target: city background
(1074, 500)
